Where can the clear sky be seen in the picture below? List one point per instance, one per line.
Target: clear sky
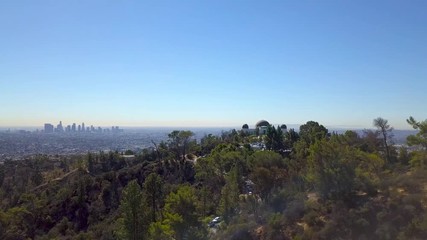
(212, 63)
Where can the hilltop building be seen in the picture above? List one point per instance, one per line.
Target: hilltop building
(260, 128)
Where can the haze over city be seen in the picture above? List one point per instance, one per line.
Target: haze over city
(212, 63)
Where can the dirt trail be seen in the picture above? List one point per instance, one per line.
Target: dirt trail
(55, 179)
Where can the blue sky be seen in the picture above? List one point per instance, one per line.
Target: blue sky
(212, 63)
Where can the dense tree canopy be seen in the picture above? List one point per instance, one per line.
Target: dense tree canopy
(312, 131)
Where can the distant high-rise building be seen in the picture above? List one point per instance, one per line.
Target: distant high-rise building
(115, 129)
(92, 128)
(48, 128)
(59, 127)
(68, 128)
(79, 128)
(83, 127)
(73, 128)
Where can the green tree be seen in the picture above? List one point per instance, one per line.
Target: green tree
(274, 138)
(263, 181)
(131, 207)
(312, 132)
(16, 222)
(291, 137)
(159, 231)
(404, 156)
(153, 193)
(419, 159)
(180, 142)
(225, 156)
(279, 143)
(2, 174)
(332, 169)
(82, 212)
(419, 139)
(208, 173)
(180, 211)
(370, 141)
(230, 196)
(206, 200)
(386, 131)
(351, 138)
(269, 137)
(36, 178)
(90, 162)
(268, 172)
(208, 143)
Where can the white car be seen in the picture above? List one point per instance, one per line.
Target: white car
(214, 221)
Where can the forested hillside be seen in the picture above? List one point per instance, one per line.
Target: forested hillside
(306, 184)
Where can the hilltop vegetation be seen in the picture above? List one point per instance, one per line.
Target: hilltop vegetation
(310, 184)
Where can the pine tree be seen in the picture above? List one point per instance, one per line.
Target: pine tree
(153, 192)
(230, 196)
(133, 215)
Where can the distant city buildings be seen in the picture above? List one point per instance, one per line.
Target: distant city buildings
(59, 127)
(49, 128)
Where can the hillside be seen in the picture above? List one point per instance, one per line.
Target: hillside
(301, 185)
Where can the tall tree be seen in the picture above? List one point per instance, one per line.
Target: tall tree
(274, 138)
(180, 211)
(153, 192)
(291, 137)
(386, 131)
(230, 195)
(133, 215)
(2, 174)
(279, 143)
(90, 162)
(180, 141)
(269, 137)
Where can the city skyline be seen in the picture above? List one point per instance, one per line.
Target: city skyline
(212, 63)
(60, 128)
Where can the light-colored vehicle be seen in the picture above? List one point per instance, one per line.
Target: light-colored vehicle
(214, 221)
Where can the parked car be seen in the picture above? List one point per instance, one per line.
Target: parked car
(215, 221)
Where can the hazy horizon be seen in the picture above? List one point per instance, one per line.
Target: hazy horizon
(237, 126)
(178, 127)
